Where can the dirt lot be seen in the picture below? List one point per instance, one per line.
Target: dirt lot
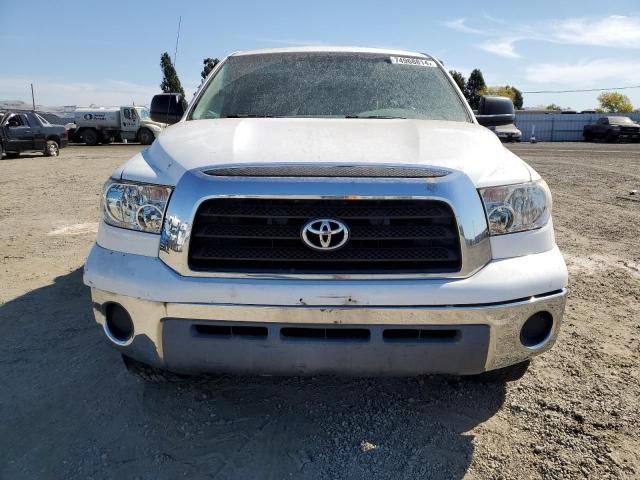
(68, 409)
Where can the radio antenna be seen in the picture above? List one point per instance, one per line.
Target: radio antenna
(175, 54)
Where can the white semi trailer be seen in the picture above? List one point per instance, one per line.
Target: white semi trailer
(108, 124)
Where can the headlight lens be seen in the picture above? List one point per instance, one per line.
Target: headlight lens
(135, 206)
(516, 208)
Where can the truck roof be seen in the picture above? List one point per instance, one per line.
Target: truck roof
(330, 49)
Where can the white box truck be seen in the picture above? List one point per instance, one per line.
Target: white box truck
(108, 124)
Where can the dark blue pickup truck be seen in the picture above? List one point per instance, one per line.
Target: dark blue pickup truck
(611, 129)
(30, 132)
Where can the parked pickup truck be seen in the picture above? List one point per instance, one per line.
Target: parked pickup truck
(327, 211)
(30, 132)
(611, 129)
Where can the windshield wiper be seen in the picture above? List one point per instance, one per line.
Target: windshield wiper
(383, 117)
(246, 115)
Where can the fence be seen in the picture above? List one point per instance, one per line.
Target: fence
(558, 127)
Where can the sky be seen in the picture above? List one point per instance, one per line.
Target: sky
(108, 52)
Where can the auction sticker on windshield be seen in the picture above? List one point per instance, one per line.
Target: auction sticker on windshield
(419, 62)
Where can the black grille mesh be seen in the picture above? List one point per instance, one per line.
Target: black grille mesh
(263, 236)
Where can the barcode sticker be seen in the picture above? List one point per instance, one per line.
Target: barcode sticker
(418, 62)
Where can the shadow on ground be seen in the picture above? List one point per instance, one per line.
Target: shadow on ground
(70, 410)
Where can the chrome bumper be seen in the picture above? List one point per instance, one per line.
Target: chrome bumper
(488, 336)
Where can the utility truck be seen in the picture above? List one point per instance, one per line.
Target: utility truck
(108, 124)
(328, 210)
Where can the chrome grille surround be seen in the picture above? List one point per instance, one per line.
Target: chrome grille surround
(454, 189)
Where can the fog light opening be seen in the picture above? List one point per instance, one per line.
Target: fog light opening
(118, 324)
(536, 330)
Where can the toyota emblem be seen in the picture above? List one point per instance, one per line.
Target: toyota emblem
(325, 234)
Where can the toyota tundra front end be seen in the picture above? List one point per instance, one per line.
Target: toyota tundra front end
(327, 211)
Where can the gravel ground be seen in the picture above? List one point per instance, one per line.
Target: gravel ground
(68, 408)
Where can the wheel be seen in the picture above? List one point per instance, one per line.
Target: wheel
(12, 154)
(145, 136)
(588, 137)
(511, 373)
(51, 149)
(148, 373)
(1, 151)
(610, 138)
(106, 141)
(90, 137)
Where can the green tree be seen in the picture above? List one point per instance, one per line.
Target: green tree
(615, 102)
(553, 106)
(518, 101)
(458, 78)
(474, 85)
(209, 64)
(170, 81)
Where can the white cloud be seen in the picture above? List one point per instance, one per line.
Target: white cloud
(460, 25)
(501, 47)
(614, 31)
(494, 19)
(586, 74)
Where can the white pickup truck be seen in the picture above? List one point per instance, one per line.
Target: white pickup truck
(328, 211)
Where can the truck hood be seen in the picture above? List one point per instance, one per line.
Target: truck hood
(466, 147)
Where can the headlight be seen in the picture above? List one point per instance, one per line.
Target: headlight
(516, 208)
(135, 206)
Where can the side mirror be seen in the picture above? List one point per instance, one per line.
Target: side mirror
(167, 108)
(494, 111)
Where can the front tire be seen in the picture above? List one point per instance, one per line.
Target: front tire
(51, 149)
(145, 137)
(511, 373)
(147, 373)
(90, 137)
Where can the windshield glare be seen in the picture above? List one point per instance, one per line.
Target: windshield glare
(333, 85)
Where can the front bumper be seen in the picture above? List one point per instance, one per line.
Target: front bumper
(183, 323)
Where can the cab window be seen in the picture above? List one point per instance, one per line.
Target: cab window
(17, 121)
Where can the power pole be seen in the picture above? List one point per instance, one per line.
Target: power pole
(33, 98)
(175, 54)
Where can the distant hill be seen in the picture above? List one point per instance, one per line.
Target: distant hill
(20, 105)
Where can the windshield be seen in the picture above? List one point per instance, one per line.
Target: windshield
(620, 120)
(143, 113)
(333, 85)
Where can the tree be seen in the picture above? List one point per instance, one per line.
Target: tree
(473, 87)
(615, 102)
(170, 81)
(507, 91)
(458, 78)
(209, 64)
(553, 106)
(518, 101)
